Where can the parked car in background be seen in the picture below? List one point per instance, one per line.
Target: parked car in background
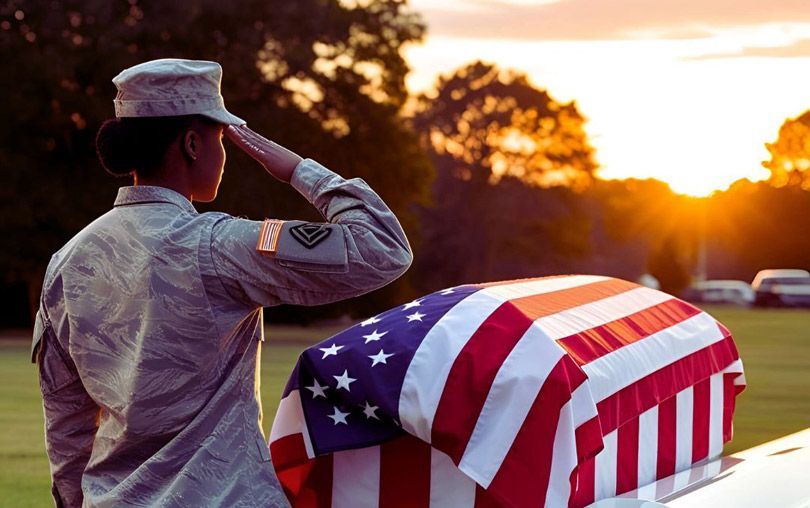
(782, 288)
(736, 292)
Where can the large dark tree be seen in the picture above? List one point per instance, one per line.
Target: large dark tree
(507, 157)
(754, 226)
(325, 79)
(485, 123)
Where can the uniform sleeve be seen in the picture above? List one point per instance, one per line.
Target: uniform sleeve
(70, 415)
(359, 248)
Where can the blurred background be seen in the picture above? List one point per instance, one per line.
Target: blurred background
(665, 142)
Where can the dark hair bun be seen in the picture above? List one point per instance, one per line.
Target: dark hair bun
(115, 148)
(140, 144)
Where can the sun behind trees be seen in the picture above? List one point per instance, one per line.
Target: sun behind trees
(510, 170)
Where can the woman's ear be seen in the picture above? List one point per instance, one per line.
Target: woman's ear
(191, 145)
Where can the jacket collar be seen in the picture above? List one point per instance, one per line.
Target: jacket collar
(134, 194)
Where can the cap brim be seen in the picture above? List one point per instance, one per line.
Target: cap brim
(222, 115)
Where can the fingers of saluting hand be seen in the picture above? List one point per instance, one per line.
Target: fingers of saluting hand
(254, 136)
(241, 135)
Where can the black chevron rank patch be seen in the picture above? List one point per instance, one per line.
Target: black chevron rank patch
(310, 234)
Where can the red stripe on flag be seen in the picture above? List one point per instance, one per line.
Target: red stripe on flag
(586, 484)
(522, 479)
(664, 383)
(627, 457)
(288, 451)
(546, 304)
(589, 443)
(308, 485)
(666, 438)
(516, 281)
(405, 473)
(477, 364)
(471, 377)
(700, 420)
(483, 499)
(729, 396)
(589, 439)
(591, 344)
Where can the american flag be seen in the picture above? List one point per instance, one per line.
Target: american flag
(552, 391)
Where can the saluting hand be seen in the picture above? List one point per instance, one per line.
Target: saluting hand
(277, 160)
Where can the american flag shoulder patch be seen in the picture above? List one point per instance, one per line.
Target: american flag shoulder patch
(269, 235)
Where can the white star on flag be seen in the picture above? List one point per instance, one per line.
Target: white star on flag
(447, 291)
(331, 350)
(339, 417)
(416, 316)
(415, 303)
(370, 411)
(380, 358)
(316, 389)
(370, 321)
(344, 380)
(373, 336)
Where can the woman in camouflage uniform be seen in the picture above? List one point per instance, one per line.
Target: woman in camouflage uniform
(150, 321)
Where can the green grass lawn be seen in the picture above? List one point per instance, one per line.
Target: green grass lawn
(774, 345)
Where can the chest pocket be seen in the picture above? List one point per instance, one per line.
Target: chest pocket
(56, 368)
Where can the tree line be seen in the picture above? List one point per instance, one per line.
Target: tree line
(491, 176)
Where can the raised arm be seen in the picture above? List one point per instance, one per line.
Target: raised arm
(359, 248)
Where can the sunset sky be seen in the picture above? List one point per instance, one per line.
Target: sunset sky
(686, 91)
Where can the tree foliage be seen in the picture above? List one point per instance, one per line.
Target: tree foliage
(485, 123)
(321, 76)
(790, 154)
(506, 155)
(754, 226)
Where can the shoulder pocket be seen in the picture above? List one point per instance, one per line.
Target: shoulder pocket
(313, 246)
(56, 368)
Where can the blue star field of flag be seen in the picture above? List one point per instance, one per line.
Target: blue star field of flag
(350, 383)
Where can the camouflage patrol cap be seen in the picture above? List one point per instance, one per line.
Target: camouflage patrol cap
(172, 87)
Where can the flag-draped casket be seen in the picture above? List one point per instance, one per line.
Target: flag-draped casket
(553, 391)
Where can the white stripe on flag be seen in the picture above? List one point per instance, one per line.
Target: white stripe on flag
(647, 446)
(736, 366)
(520, 289)
(356, 478)
(646, 491)
(713, 468)
(427, 373)
(627, 365)
(684, 408)
(716, 415)
(290, 420)
(606, 467)
(576, 411)
(509, 400)
(450, 487)
(680, 480)
(587, 316)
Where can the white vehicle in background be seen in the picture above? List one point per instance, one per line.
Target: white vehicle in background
(736, 292)
(782, 288)
(773, 474)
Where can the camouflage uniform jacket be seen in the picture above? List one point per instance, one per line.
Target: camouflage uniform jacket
(149, 330)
